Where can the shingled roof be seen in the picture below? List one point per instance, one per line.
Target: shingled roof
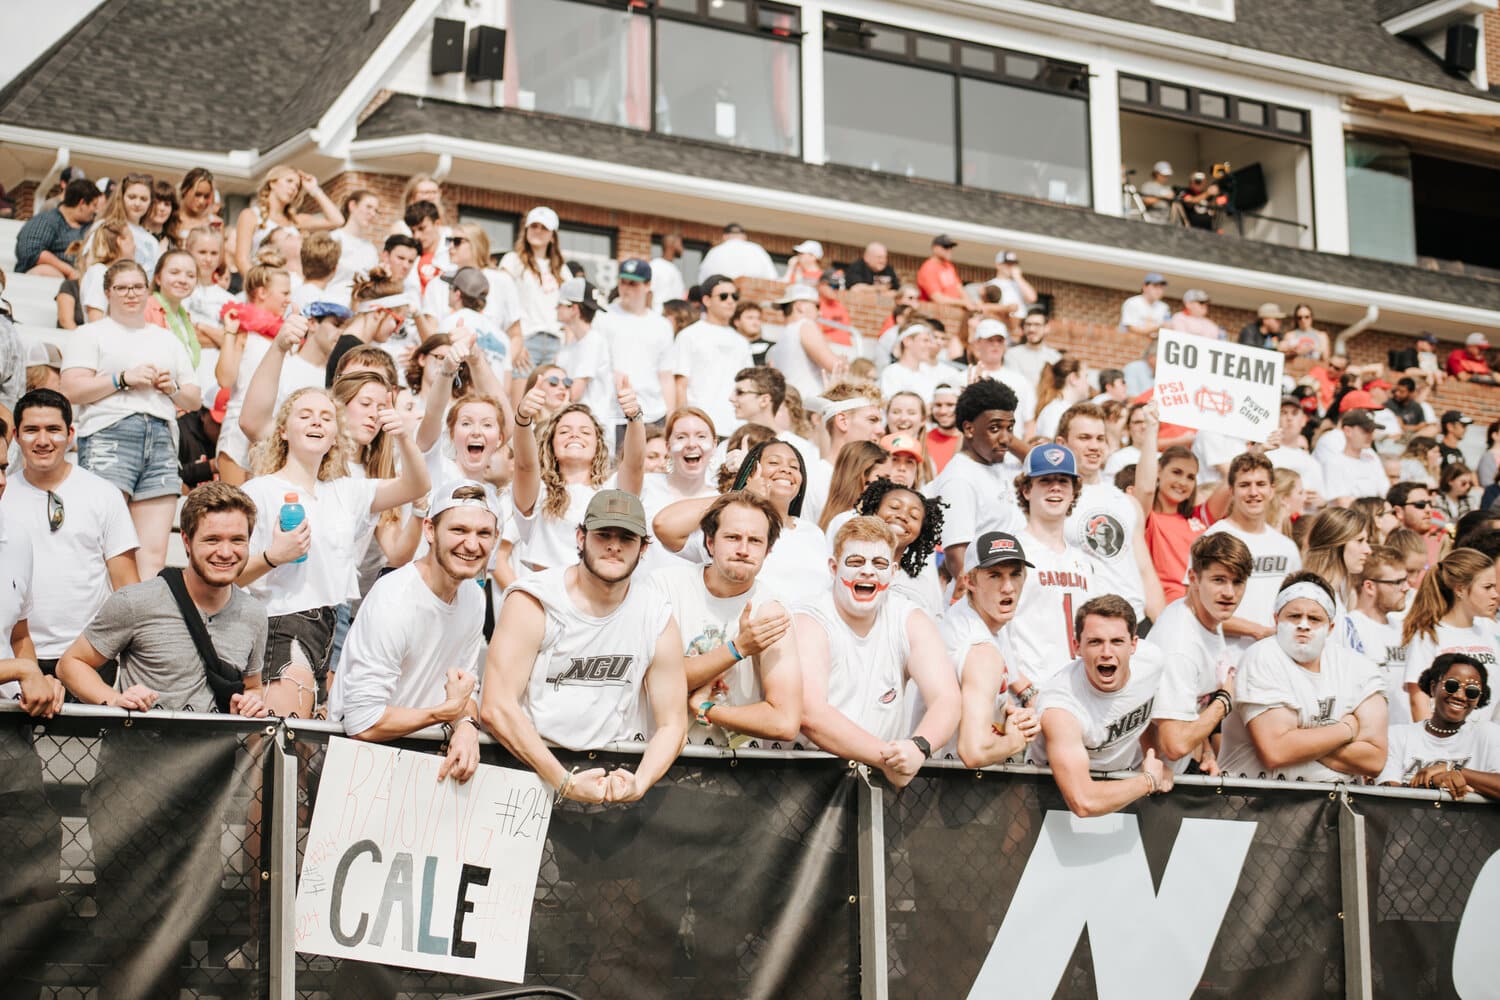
(194, 75)
(1343, 33)
(403, 115)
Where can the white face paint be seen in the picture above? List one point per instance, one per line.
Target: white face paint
(1302, 629)
(862, 575)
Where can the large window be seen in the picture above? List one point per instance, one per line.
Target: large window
(725, 71)
(1381, 215)
(926, 106)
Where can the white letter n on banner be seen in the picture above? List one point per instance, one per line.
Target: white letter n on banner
(1093, 872)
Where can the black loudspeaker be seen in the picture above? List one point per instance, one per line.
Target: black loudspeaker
(447, 46)
(1249, 187)
(1462, 52)
(486, 53)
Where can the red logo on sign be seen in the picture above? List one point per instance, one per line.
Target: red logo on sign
(1210, 401)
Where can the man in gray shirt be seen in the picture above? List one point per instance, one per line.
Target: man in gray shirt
(142, 626)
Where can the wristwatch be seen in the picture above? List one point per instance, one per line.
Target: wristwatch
(923, 745)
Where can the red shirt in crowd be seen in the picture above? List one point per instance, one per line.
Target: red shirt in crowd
(941, 446)
(1461, 362)
(1168, 539)
(833, 309)
(938, 277)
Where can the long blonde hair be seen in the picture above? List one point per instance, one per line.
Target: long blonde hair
(1332, 529)
(1277, 514)
(1439, 591)
(556, 503)
(263, 195)
(103, 245)
(114, 207)
(269, 456)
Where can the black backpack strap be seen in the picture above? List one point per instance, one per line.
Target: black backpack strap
(223, 682)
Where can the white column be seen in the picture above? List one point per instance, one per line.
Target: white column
(813, 150)
(1330, 182)
(1104, 136)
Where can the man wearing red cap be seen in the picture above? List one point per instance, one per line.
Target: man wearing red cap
(1468, 363)
(1388, 425)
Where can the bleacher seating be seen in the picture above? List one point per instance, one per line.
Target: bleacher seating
(30, 298)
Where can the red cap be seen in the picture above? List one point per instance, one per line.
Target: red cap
(901, 444)
(1357, 399)
(1378, 383)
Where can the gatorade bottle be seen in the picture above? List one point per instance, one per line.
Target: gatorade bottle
(293, 514)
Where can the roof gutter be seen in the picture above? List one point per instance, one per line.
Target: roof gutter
(238, 164)
(1277, 285)
(1436, 13)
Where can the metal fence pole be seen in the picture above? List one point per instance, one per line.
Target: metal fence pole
(874, 969)
(280, 820)
(1354, 883)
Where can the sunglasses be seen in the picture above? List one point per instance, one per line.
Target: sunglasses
(554, 381)
(1419, 504)
(454, 241)
(55, 511)
(1471, 691)
(721, 296)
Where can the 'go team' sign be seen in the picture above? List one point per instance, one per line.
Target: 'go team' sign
(1214, 385)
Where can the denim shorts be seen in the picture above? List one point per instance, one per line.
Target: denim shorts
(136, 453)
(312, 632)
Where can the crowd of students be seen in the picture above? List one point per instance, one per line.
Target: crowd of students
(428, 484)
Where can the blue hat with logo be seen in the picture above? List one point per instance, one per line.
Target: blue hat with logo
(1050, 460)
(635, 269)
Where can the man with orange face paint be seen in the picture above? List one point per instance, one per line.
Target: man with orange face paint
(859, 647)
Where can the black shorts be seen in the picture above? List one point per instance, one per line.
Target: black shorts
(311, 630)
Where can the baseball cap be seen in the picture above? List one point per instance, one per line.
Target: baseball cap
(797, 293)
(1378, 383)
(574, 290)
(1162, 167)
(1006, 257)
(809, 246)
(1195, 295)
(1430, 338)
(322, 309)
(1270, 311)
(444, 498)
(944, 240)
(987, 329)
(1153, 278)
(471, 281)
(1357, 399)
(635, 269)
(1199, 175)
(901, 444)
(1455, 417)
(615, 509)
(993, 548)
(1050, 460)
(1476, 339)
(43, 353)
(544, 216)
(1358, 417)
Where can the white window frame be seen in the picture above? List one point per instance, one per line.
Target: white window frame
(1222, 10)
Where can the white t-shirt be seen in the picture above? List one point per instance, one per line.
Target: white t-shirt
(1380, 643)
(545, 542)
(489, 337)
(339, 513)
(708, 622)
(91, 289)
(1051, 415)
(109, 348)
(1302, 463)
(15, 591)
(1267, 678)
(1029, 361)
(866, 674)
(589, 358)
(796, 569)
(1112, 723)
(1196, 662)
(1273, 556)
(709, 356)
(1104, 524)
(962, 630)
(1350, 477)
(980, 498)
(738, 259)
(1136, 312)
(586, 681)
(922, 380)
(1478, 641)
(401, 646)
(1042, 630)
(789, 357)
(666, 283)
(356, 256)
(1411, 747)
(96, 527)
(656, 494)
(1128, 455)
(641, 348)
(1025, 391)
(1214, 449)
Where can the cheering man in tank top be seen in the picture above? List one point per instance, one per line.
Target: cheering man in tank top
(859, 647)
(574, 649)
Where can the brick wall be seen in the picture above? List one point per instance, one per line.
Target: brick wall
(1491, 53)
(1085, 321)
(23, 195)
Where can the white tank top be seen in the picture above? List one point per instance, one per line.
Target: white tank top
(867, 674)
(586, 680)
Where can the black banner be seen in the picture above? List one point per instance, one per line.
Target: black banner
(130, 858)
(1434, 896)
(730, 878)
(995, 889)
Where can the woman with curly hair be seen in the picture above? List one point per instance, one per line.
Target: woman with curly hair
(1453, 612)
(917, 521)
(797, 567)
(303, 574)
(276, 204)
(560, 465)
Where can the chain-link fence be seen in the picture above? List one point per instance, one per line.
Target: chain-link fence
(732, 878)
(130, 857)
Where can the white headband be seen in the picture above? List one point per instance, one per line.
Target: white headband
(912, 331)
(831, 409)
(386, 302)
(1304, 589)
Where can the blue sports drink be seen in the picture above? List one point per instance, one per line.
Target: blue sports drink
(293, 514)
